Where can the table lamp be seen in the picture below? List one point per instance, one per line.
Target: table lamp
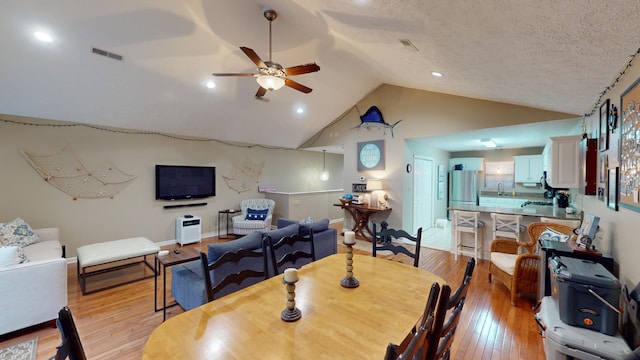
(375, 186)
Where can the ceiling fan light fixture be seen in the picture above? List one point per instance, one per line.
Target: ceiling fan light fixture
(270, 82)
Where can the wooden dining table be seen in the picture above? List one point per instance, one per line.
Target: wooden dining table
(336, 322)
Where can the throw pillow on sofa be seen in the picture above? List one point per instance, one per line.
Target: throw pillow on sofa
(11, 255)
(18, 233)
(317, 226)
(253, 214)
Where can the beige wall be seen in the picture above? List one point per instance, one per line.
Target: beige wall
(621, 226)
(134, 211)
(423, 114)
(428, 114)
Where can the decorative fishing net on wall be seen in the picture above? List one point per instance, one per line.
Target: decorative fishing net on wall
(244, 175)
(66, 172)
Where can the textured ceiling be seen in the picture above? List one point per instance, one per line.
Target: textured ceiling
(553, 55)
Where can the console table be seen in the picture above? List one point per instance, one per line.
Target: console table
(361, 215)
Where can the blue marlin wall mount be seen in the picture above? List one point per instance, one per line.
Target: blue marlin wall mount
(373, 118)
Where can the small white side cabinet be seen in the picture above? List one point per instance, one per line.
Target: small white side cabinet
(188, 230)
(561, 161)
(528, 168)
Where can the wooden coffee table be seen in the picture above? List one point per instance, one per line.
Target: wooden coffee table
(164, 262)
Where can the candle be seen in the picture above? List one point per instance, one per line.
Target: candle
(349, 237)
(291, 275)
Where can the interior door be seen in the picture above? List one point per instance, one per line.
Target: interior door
(423, 203)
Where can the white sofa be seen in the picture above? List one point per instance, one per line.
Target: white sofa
(33, 292)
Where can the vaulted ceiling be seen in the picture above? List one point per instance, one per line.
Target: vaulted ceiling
(552, 55)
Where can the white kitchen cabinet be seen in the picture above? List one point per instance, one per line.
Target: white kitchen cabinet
(561, 161)
(501, 202)
(476, 164)
(528, 168)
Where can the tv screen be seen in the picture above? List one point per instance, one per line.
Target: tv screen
(175, 182)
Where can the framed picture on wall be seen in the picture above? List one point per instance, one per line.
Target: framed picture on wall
(612, 189)
(603, 169)
(370, 155)
(441, 173)
(441, 188)
(603, 136)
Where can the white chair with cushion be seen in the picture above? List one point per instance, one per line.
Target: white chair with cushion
(467, 222)
(507, 226)
(256, 216)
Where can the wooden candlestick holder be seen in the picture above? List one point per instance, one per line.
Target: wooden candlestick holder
(291, 312)
(349, 281)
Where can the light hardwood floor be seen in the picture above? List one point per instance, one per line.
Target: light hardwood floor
(115, 323)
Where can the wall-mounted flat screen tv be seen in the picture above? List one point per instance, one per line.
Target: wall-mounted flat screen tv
(176, 182)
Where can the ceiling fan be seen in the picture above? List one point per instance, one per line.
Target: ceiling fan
(271, 75)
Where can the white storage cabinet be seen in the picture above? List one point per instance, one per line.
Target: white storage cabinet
(502, 202)
(561, 161)
(188, 230)
(528, 168)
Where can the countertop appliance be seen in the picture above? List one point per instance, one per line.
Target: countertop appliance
(463, 187)
(563, 199)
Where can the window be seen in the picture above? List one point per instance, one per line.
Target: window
(499, 172)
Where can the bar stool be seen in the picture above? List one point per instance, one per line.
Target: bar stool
(507, 226)
(467, 222)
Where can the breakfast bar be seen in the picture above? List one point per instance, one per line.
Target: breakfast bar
(530, 214)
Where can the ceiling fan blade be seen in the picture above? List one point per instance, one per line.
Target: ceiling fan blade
(297, 86)
(253, 56)
(233, 74)
(301, 69)
(261, 92)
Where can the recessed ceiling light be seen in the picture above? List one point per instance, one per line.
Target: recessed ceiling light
(42, 36)
(210, 84)
(436, 74)
(299, 110)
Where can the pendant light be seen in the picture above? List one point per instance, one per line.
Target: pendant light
(324, 176)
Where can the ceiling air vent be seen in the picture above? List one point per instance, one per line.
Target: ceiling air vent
(107, 54)
(408, 44)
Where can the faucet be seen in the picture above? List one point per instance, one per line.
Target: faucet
(500, 189)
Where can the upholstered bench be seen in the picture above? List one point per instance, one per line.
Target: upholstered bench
(110, 252)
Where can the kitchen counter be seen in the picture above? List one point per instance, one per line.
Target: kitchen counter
(530, 214)
(529, 210)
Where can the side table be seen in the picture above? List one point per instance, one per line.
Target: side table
(226, 212)
(164, 262)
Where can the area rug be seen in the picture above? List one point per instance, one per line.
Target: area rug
(22, 351)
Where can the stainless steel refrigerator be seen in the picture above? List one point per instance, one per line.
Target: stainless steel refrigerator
(463, 187)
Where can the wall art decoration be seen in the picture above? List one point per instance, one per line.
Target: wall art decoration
(603, 169)
(612, 189)
(66, 172)
(603, 136)
(244, 176)
(370, 155)
(629, 156)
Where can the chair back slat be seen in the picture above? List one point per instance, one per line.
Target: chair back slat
(238, 277)
(71, 346)
(289, 250)
(420, 336)
(392, 240)
(444, 331)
